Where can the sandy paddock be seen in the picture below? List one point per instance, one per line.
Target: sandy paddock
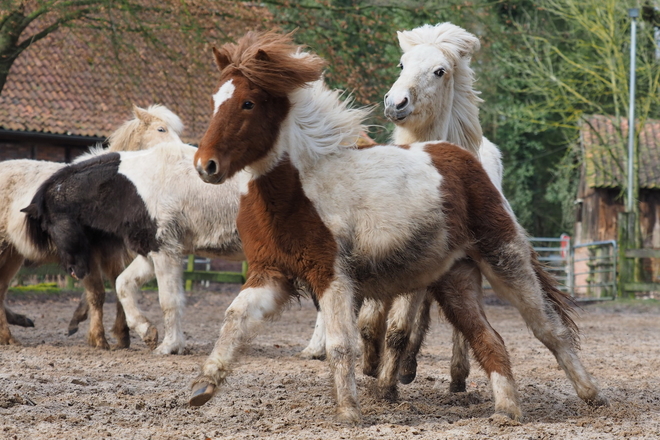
(55, 387)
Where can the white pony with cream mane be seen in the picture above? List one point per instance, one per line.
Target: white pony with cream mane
(433, 99)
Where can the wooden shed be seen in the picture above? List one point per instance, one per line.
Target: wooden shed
(603, 141)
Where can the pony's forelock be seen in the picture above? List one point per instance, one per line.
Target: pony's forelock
(455, 41)
(168, 116)
(273, 61)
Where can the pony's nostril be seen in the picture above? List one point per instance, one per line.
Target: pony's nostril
(402, 104)
(211, 167)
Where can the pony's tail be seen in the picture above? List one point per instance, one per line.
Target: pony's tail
(561, 302)
(35, 233)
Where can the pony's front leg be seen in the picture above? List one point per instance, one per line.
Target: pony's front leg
(128, 285)
(95, 291)
(169, 273)
(337, 306)
(372, 323)
(258, 301)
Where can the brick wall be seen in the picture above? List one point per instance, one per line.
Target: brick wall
(38, 150)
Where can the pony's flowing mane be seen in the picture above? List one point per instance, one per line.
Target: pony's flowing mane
(125, 138)
(320, 123)
(457, 45)
(271, 61)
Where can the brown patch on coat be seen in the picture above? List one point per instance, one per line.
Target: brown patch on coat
(488, 220)
(282, 233)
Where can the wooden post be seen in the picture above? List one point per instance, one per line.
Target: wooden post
(244, 271)
(190, 268)
(626, 228)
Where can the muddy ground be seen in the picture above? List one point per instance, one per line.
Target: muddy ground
(55, 387)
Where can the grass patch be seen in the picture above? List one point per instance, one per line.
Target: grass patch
(630, 305)
(36, 288)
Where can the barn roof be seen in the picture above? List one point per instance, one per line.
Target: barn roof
(605, 146)
(75, 82)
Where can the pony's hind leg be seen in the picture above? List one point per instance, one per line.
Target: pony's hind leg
(408, 368)
(79, 315)
(463, 309)
(460, 362)
(516, 275)
(128, 285)
(372, 323)
(256, 302)
(112, 267)
(400, 321)
(10, 262)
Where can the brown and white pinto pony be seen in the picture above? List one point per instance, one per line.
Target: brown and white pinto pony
(354, 223)
(20, 179)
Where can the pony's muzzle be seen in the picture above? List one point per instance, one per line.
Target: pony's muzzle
(210, 172)
(396, 110)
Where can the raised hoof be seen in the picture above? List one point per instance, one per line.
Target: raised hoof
(151, 337)
(72, 329)
(457, 386)
(201, 393)
(21, 321)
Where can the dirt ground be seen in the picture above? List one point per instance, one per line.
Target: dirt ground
(55, 387)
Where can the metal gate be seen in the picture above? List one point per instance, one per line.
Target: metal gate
(585, 271)
(555, 255)
(594, 270)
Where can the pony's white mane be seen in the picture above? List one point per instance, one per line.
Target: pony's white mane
(457, 45)
(320, 123)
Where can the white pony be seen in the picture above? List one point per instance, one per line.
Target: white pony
(433, 99)
(20, 180)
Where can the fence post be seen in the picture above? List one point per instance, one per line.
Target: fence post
(190, 268)
(626, 224)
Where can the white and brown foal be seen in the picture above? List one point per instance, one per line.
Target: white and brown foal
(356, 223)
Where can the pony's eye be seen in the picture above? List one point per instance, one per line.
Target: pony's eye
(248, 105)
(400, 66)
(439, 72)
(161, 129)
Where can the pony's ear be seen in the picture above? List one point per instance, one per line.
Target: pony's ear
(221, 58)
(32, 211)
(262, 55)
(140, 113)
(406, 40)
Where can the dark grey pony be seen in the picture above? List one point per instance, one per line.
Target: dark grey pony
(150, 202)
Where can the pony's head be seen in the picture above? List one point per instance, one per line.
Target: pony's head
(152, 126)
(434, 87)
(252, 100)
